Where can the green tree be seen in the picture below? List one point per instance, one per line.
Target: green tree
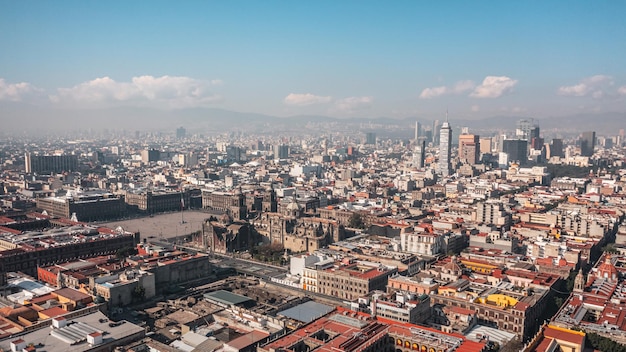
(602, 343)
(125, 252)
(139, 293)
(356, 221)
(610, 248)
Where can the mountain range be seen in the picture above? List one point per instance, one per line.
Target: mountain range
(18, 118)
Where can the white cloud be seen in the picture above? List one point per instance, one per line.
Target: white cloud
(463, 86)
(305, 99)
(16, 91)
(621, 90)
(168, 91)
(594, 86)
(475, 108)
(429, 93)
(351, 104)
(458, 88)
(494, 87)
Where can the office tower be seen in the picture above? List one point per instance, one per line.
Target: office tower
(370, 138)
(587, 143)
(417, 131)
(536, 143)
(469, 148)
(516, 150)
(181, 132)
(485, 145)
(556, 148)
(524, 127)
(150, 155)
(418, 153)
(281, 151)
(445, 143)
(436, 132)
(43, 164)
(188, 159)
(233, 153)
(534, 138)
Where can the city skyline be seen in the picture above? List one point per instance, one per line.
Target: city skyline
(344, 60)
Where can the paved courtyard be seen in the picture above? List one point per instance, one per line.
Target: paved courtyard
(163, 226)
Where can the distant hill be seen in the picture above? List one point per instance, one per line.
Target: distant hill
(24, 118)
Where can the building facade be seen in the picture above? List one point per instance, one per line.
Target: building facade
(444, 166)
(42, 164)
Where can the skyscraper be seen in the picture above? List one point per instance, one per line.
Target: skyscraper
(444, 165)
(436, 126)
(181, 133)
(370, 138)
(485, 144)
(417, 130)
(587, 143)
(281, 151)
(524, 127)
(556, 148)
(418, 153)
(469, 148)
(516, 150)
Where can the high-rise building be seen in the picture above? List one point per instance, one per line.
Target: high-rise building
(50, 163)
(534, 139)
(436, 131)
(485, 145)
(281, 151)
(444, 165)
(469, 148)
(524, 128)
(417, 131)
(370, 138)
(181, 132)
(516, 150)
(233, 153)
(587, 143)
(150, 155)
(418, 153)
(556, 148)
(188, 159)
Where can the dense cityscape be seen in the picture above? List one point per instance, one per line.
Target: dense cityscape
(445, 241)
(312, 176)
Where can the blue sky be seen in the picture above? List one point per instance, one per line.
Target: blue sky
(336, 58)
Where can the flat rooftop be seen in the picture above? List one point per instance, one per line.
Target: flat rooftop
(96, 321)
(307, 312)
(226, 297)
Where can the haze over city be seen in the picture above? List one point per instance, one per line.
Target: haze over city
(63, 61)
(312, 176)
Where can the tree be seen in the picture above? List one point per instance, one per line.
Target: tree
(139, 293)
(125, 252)
(356, 221)
(602, 343)
(610, 248)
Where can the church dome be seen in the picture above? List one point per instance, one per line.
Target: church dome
(607, 270)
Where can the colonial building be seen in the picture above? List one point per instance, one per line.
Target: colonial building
(351, 280)
(298, 234)
(26, 253)
(232, 203)
(226, 236)
(158, 201)
(86, 207)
